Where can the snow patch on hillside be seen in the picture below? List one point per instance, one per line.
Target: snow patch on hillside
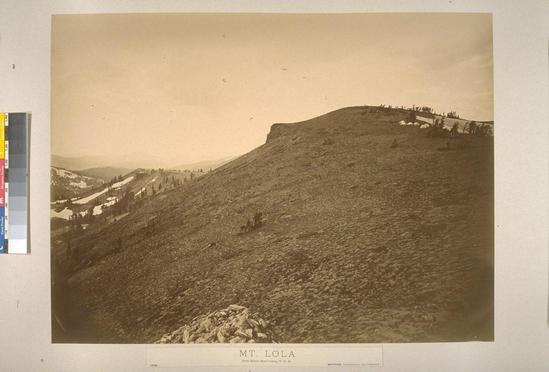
(145, 187)
(115, 186)
(91, 197)
(122, 183)
(64, 214)
(98, 209)
(82, 184)
(65, 173)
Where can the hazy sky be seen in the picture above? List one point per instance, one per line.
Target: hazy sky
(190, 87)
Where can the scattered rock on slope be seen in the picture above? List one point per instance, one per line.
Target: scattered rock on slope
(234, 324)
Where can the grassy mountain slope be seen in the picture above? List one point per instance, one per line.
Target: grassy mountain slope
(360, 243)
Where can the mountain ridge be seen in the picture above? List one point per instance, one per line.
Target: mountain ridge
(359, 241)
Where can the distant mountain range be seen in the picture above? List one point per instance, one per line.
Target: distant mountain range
(105, 173)
(206, 165)
(118, 164)
(131, 161)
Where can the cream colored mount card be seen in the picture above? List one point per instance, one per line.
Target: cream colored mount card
(265, 355)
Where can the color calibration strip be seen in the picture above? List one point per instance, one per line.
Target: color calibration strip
(3, 241)
(14, 183)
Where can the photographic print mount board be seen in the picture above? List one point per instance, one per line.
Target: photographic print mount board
(513, 272)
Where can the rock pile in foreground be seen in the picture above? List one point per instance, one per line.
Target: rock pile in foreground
(235, 324)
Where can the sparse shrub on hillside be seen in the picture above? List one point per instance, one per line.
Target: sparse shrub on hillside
(152, 225)
(453, 115)
(474, 129)
(75, 221)
(438, 130)
(75, 256)
(247, 227)
(68, 249)
(117, 245)
(454, 130)
(483, 130)
(252, 224)
(258, 219)
(488, 130)
(412, 116)
(469, 127)
(89, 215)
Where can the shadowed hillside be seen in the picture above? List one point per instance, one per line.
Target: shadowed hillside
(360, 241)
(67, 184)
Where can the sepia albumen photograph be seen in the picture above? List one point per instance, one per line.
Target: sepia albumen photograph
(272, 178)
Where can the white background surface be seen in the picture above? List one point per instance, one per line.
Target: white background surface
(521, 31)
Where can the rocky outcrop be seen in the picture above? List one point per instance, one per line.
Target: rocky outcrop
(279, 130)
(235, 324)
